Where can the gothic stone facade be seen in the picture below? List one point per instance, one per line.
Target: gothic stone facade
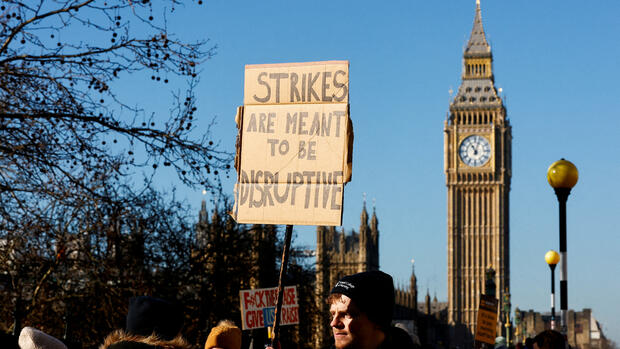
(583, 330)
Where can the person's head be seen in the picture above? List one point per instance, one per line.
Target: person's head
(148, 315)
(401, 338)
(529, 343)
(361, 307)
(500, 342)
(31, 338)
(226, 335)
(549, 339)
(8, 341)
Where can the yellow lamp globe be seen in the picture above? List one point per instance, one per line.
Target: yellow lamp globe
(562, 174)
(552, 257)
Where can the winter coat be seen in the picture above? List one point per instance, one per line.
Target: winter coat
(120, 339)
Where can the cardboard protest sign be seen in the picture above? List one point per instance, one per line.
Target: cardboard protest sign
(487, 320)
(293, 159)
(258, 307)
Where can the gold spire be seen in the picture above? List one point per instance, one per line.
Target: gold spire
(477, 45)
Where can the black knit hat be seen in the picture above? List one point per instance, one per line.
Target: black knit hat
(148, 315)
(373, 294)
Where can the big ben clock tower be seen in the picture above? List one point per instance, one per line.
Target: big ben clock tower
(477, 162)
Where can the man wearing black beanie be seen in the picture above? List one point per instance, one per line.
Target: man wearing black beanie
(361, 307)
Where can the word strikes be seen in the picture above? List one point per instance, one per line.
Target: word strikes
(326, 86)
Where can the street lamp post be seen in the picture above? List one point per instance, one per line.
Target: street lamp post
(552, 258)
(507, 314)
(562, 175)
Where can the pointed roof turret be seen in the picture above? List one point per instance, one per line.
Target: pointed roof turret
(364, 215)
(202, 233)
(374, 222)
(202, 215)
(477, 45)
(427, 302)
(215, 217)
(413, 280)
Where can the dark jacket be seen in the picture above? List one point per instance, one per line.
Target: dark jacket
(395, 338)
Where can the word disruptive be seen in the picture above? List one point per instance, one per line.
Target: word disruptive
(258, 193)
(258, 307)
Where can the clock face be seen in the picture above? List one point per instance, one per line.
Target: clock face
(475, 151)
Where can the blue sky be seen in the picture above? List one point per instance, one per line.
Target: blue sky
(558, 64)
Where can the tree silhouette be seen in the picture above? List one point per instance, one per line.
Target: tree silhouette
(62, 121)
(79, 233)
(74, 279)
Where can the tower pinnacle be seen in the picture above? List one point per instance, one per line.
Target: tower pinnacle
(477, 87)
(202, 215)
(364, 215)
(477, 45)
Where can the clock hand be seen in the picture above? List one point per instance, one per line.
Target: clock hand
(473, 147)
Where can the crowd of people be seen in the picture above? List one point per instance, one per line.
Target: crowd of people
(361, 308)
(151, 323)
